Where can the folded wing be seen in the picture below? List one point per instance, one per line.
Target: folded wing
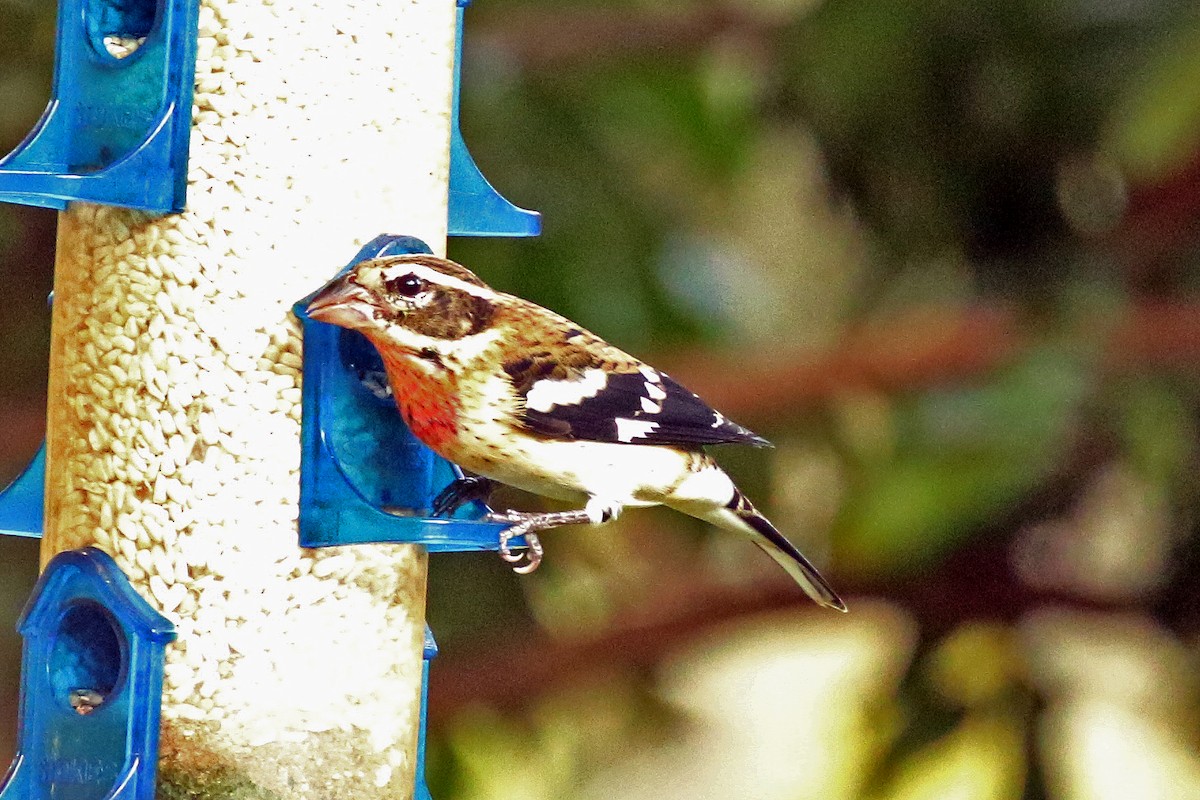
(616, 400)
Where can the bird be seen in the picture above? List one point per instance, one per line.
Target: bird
(516, 394)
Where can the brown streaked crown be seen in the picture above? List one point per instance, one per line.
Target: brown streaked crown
(408, 294)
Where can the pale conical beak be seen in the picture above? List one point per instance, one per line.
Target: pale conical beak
(342, 303)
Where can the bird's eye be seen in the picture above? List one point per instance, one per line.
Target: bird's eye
(405, 285)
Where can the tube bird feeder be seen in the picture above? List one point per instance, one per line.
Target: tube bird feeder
(173, 439)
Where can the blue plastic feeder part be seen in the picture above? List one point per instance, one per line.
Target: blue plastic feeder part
(363, 476)
(476, 209)
(117, 127)
(23, 501)
(430, 651)
(91, 685)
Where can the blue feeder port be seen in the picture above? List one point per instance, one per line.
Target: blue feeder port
(91, 685)
(117, 126)
(363, 476)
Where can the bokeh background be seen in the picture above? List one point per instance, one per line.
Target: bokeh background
(945, 255)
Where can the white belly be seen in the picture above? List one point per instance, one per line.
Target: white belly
(624, 474)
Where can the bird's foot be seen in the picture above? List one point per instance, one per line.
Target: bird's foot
(527, 525)
(463, 491)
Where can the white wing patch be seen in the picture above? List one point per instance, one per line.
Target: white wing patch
(650, 374)
(545, 394)
(651, 407)
(630, 429)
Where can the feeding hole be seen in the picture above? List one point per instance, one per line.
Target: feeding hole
(117, 28)
(88, 657)
(363, 360)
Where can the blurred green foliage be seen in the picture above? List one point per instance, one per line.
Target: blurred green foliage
(959, 458)
(989, 151)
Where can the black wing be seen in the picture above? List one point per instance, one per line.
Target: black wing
(603, 403)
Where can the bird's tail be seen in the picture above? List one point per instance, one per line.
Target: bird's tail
(740, 515)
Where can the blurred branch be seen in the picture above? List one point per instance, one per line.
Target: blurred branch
(1159, 222)
(546, 39)
(1160, 335)
(926, 348)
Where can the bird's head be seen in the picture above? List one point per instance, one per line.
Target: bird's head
(418, 304)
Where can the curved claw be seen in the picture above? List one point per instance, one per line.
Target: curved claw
(531, 554)
(509, 555)
(460, 492)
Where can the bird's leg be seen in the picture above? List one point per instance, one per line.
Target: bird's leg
(461, 492)
(528, 524)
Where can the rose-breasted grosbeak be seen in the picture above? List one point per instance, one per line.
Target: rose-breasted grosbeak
(520, 395)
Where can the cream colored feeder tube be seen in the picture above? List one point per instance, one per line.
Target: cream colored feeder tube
(174, 414)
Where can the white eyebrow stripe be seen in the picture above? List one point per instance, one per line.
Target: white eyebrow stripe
(433, 276)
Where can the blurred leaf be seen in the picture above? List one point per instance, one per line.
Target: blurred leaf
(667, 124)
(983, 759)
(549, 150)
(551, 752)
(857, 61)
(972, 680)
(976, 664)
(1158, 429)
(1154, 130)
(963, 456)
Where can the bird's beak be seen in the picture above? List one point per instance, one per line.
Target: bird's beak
(341, 302)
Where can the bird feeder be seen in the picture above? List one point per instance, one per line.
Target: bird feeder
(92, 675)
(280, 134)
(429, 652)
(86, 664)
(117, 127)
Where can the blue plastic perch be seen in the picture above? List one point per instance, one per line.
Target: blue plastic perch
(117, 125)
(22, 502)
(476, 209)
